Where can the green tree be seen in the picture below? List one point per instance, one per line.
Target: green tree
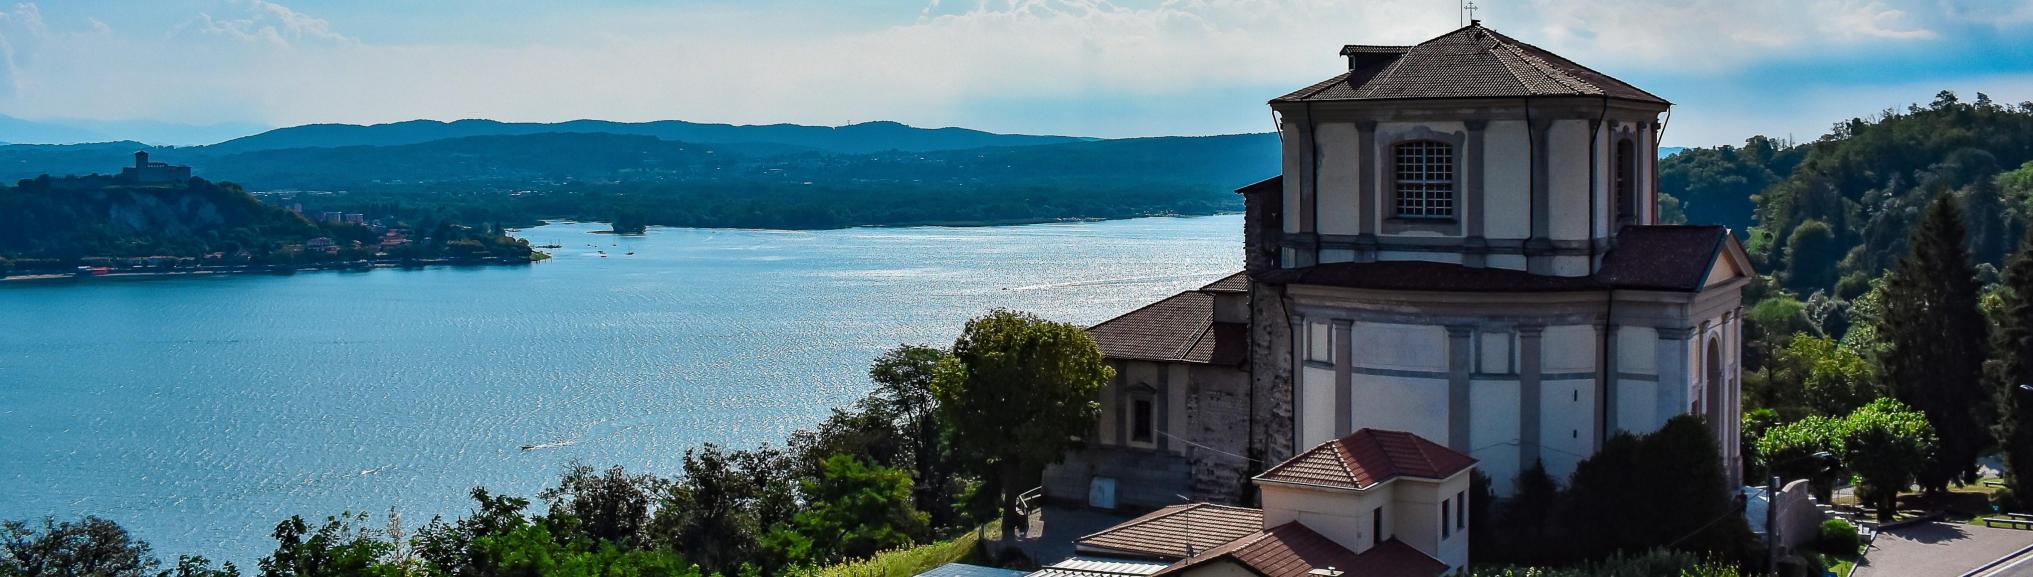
(1016, 390)
(1663, 489)
(1885, 443)
(1933, 339)
(903, 383)
(1816, 375)
(1792, 451)
(717, 514)
(602, 507)
(340, 547)
(91, 547)
(2011, 369)
(1808, 252)
(852, 510)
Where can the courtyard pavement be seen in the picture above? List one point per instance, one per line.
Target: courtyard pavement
(1937, 549)
(1049, 539)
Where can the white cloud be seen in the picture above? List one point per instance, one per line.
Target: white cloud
(262, 22)
(1189, 66)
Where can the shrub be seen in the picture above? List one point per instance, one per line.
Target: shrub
(1838, 537)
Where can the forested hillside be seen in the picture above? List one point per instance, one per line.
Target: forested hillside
(1829, 215)
(519, 179)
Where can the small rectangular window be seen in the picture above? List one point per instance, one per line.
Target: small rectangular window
(1446, 511)
(1460, 511)
(1319, 342)
(1142, 428)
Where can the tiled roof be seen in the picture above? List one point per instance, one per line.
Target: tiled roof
(1368, 457)
(1292, 550)
(1164, 533)
(1471, 62)
(1077, 566)
(1235, 283)
(1177, 329)
(1266, 185)
(1663, 257)
(965, 570)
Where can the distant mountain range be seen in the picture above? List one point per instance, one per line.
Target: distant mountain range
(691, 174)
(854, 138)
(21, 131)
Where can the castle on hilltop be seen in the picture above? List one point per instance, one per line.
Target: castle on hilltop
(145, 172)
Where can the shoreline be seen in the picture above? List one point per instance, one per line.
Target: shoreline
(232, 271)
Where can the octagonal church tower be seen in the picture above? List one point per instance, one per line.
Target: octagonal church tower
(1464, 244)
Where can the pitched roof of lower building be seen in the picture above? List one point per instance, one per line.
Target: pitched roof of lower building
(1235, 283)
(1368, 457)
(1180, 329)
(966, 570)
(1664, 257)
(1292, 550)
(1165, 533)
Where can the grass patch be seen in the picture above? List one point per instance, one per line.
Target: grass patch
(965, 547)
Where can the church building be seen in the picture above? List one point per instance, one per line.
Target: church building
(1464, 246)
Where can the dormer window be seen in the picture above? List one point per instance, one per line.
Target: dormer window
(1425, 179)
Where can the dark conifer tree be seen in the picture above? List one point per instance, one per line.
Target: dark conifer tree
(1934, 337)
(2011, 368)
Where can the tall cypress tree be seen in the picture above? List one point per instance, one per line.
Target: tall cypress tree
(2011, 367)
(1934, 342)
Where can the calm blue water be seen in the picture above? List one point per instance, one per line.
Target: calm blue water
(200, 411)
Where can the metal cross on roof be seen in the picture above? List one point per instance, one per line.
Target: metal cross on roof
(1470, 7)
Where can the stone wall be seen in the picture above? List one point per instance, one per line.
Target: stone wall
(1270, 368)
(1799, 517)
(1219, 429)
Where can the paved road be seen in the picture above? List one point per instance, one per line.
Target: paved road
(1944, 550)
(2021, 567)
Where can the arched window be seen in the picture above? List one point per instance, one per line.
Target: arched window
(1626, 182)
(1425, 179)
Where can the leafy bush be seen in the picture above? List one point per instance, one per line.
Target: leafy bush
(1838, 537)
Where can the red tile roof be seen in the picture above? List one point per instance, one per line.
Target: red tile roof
(1367, 457)
(1471, 62)
(1292, 550)
(1164, 533)
(1180, 329)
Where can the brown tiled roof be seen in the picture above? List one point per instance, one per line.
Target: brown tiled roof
(1422, 275)
(1292, 550)
(1235, 283)
(1179, 329)
(1663, 257)
(1367, 457)
(1471, 62)
(1164, 533)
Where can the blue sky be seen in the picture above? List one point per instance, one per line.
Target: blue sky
(1083, 67)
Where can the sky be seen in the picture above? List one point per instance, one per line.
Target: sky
(1100, 68)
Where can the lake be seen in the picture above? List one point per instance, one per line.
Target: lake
(199, 411)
